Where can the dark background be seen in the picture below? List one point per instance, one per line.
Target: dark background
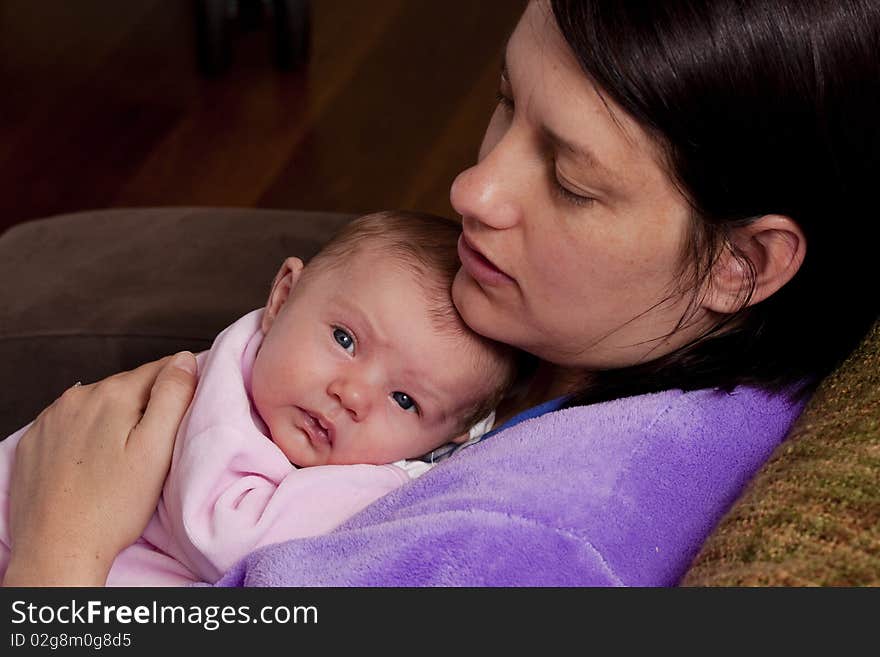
(102, 105)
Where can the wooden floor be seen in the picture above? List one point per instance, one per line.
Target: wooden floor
(103, 106)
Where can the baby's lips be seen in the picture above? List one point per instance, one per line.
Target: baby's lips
(318, 428)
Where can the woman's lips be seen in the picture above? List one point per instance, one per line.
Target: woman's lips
(479, 266)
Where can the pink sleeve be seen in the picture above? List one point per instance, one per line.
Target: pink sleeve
(229, 493)
(7, 460)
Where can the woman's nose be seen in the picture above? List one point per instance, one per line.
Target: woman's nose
(487, 192)
(352, 395)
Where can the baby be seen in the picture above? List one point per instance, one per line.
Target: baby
(310, 409)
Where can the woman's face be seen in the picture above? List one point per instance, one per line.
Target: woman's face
(573, 231)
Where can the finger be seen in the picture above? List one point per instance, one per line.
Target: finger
(151, 368)
(170, 396)
(138, 383)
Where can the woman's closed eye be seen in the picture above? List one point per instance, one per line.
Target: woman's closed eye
(344, 339)
(504, 101)
(568, 195)
(504, 96)
(560, 189)
(405, 402)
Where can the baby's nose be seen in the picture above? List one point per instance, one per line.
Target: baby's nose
(353, 395)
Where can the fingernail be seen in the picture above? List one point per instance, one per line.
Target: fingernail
(185, 361)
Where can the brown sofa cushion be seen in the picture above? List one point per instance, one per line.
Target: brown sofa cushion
(90, 294)
(812, 514)
(93, 293)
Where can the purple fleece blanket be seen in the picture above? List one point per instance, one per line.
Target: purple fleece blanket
(619, 493)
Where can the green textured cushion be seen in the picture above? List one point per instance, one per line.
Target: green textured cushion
(811, 517)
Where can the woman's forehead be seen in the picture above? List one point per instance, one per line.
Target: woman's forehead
(567, 106)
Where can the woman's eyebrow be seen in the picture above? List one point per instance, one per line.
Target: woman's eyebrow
(504, 55)
(583, 154)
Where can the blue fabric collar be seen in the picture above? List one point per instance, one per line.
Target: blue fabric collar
(528, 414)
(447, 450)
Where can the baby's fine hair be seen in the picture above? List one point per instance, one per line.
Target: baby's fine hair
(424, 242)
(428, 245)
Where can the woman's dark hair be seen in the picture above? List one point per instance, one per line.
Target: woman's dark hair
(761, 107)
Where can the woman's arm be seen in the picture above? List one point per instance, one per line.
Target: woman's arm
(89, 471)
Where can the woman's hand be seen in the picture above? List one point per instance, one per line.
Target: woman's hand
(89, 471)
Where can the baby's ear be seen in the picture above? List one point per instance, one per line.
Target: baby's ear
(282, 286)
(458, 440)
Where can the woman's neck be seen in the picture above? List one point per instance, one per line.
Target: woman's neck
(547, 382)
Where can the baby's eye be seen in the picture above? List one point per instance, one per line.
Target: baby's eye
(343, 339)
(406, 402)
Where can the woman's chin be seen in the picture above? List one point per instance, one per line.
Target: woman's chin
(483, 314)
(472, 304)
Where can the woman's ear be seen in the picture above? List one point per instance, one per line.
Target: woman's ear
(282, 286)
(774, 244)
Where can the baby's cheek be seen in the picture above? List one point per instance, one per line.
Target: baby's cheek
(264, 409)
(260, 386)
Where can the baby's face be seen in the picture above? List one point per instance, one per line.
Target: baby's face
(352, 370)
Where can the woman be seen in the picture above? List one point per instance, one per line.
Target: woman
(671, 198)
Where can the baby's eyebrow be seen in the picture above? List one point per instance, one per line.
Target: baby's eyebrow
(441, 399)
(365, 329)
(422, 393)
